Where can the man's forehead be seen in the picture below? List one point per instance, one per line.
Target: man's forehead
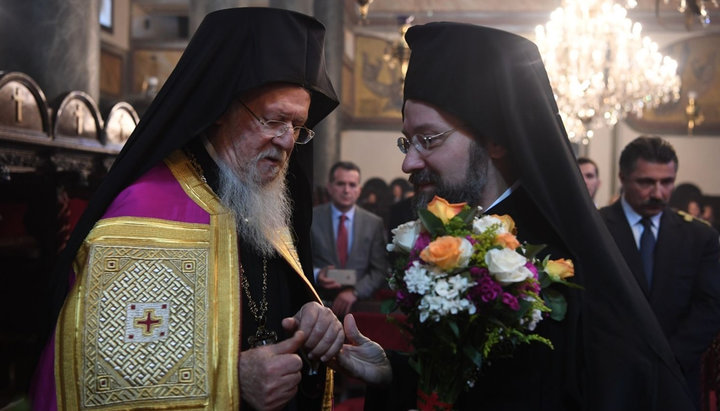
(645, 167)
(588, 168)
(273, 90)
(345, 174)
(419, 115)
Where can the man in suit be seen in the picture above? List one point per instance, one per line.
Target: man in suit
(681, 275)
(589, 170)
(345, 236)
(480, 125)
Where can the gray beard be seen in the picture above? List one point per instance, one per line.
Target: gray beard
(469, 191)
(260, 211)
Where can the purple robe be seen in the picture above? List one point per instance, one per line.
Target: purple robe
(157, 194)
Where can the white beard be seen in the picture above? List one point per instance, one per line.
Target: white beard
(260, 211)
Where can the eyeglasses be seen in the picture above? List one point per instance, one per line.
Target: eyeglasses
(422, 143)
(277, 128)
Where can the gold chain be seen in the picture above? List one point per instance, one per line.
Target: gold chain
(259, 314)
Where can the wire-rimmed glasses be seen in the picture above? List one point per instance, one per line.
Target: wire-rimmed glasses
(277, 128)
(422, 143)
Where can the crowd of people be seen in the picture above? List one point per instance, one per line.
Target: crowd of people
(207, 272)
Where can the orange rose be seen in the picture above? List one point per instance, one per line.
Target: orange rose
(444, 210)
(560, 269)
(507, 222)
(507, 240)
(447, 252)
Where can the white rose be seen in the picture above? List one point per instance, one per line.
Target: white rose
(466, 250)
(516, 276)
(404, 236)
(482, 224)
(507, 266)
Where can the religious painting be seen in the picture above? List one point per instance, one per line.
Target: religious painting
(347, 91)
(699, 69)
(377, 86)
(111, 73)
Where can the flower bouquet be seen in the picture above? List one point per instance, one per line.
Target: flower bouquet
(471, 293)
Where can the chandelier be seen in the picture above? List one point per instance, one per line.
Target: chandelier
(692, 9)
(601, 68)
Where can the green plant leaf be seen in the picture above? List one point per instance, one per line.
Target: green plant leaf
(454, 327)
(433, 224)
(532, 250)
(556, 302)
(467, 214)
(474, 355)
(388, 306)
(544, 279)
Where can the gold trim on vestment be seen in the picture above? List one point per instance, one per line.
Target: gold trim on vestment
(182, 276)
(153, 320)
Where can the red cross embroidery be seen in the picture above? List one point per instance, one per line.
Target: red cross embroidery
(149, 322)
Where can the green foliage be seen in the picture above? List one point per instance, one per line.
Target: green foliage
(467, 215)
(532, 250)
(388, 306)
(483, 242)
(433, 224)
(473, 355)
(556, 302)
(454, 327)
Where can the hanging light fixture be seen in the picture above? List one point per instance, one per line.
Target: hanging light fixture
(692, 9)
(601, 67)
(397, 53)
(363, 8)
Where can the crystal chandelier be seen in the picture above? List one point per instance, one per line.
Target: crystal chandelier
(600, 66)
(692, 9)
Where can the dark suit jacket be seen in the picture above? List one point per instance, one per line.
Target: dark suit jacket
(367, 255)
(685, 292)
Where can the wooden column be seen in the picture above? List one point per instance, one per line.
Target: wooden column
(56, 42)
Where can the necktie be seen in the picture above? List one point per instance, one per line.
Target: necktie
(647, 248)
(342, 241)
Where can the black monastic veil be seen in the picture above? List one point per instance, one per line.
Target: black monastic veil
(495, 82)
(232, 51)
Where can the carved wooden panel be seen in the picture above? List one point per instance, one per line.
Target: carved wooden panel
(77, 118)
(120, 123)
(23, 106)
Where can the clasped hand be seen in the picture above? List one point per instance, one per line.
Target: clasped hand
(269, 375)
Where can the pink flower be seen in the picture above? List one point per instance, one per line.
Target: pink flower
(511, 301)
(530, 266)
(487, 289)
(422, 241)
(405, 299)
